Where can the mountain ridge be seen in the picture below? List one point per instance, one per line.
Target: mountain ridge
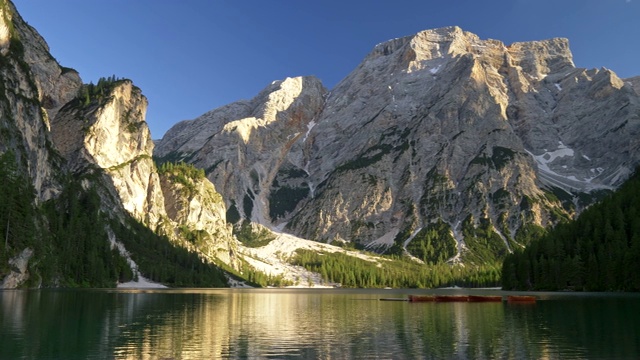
(501, 114)
(439, 146)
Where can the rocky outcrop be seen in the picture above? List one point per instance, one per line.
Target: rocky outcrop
(243, 145)
(19, 273)
(109, 133)
(197, 217)
(56, 85)
(6, 15)
(30, 78)
(634, 82)
(57, 128)
(438, 126)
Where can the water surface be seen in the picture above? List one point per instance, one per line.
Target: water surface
(311, 324)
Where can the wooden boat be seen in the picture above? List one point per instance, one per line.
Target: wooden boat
(478, 298)
(422, 298)
(521, 299)
(452, 298)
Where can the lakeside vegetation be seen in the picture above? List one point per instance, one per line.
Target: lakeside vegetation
(17, 212)
(69, 236)
(395, 272)
(599, 251)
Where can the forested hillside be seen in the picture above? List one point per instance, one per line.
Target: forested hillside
(600, 251)
(68, 238)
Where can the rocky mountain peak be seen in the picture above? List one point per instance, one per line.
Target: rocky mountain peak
(440, 127)
(540, 58)
(283, 104)
(427, 44)
(441, 145)
(108, 130)
(281, 95)
(252, 140)
(412, 53)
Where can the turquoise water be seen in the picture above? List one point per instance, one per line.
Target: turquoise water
(311, 324)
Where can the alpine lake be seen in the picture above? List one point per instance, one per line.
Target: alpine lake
(313, 324)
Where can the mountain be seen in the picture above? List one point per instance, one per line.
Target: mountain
(441, 143)
(438, 149)
(83, 203)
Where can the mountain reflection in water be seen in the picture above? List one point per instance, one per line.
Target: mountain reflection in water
(311, 324)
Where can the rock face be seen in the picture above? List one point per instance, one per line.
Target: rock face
(437, 133)
(439, 126)
(55, 131)
(634, 82)
(251, 140)
(30, 77)
(19, 270)
(56, 85)
(110, 134)
(197, 218)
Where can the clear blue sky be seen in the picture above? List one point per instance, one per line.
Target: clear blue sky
(190, 56)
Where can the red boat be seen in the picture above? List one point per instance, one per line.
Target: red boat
(421, 298)
(521, 299)
(477, 298)
(452, 298)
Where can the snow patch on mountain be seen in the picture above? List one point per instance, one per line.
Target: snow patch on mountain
(569, 183)
(549, 157)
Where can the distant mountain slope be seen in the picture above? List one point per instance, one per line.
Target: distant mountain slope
(492, 141)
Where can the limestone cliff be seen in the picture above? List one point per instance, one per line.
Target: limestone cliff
(60, 131)
(56, 85)
(28, 76)
(441, 126)
(108, 132)
(31, 81)
(197, 215)
(243, 145)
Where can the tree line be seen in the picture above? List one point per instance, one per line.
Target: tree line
(395, 272)
(91, 92)
(17, 211)
(599, 251)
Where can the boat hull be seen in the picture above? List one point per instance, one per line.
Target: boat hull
(476, 298)
(421, 298)
(452, 298)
